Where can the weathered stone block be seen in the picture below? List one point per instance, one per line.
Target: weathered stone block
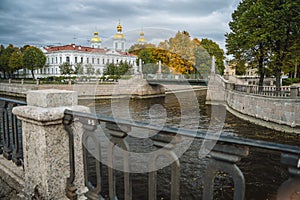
(46, 143)
(51, 98)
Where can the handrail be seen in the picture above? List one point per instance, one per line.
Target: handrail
(19, 102)
(223, 157)
(192, 133)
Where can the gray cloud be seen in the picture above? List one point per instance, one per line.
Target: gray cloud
(62, 22)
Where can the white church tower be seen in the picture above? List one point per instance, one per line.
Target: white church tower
(119, 39)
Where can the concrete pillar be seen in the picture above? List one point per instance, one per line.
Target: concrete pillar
(22, 81)
(9, 81)
(46, 143)
(37, 81)
(294, 91)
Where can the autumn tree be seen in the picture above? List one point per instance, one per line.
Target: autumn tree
(136, 48)
(180, 53)
(33, 59)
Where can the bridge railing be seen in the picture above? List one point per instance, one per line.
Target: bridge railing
(172, 76)
(285, 91)
(10, 131)
(111, 170)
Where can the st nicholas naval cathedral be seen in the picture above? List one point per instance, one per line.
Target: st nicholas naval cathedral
(95, 55)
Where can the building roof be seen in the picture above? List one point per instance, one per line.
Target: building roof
(73, 47)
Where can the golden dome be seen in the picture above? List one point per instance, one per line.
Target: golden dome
(142, 39)
(119, 36)
(96, 38)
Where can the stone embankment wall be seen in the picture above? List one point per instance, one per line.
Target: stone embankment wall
(278, 113)
(83, 90)
(135, 87)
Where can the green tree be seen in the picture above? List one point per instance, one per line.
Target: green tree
(78, 68)
(262, 33)
(118, 70)
(248, 39)
(146, 56)
(4, 59)
(214, 49)
(203, 61)
(16, 60)
(124, 69)
(98, 72)
(90, 70)
(2, 67)
(284, 30)
(66, 68)
(33, 59)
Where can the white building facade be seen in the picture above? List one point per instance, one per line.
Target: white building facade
(93, 56)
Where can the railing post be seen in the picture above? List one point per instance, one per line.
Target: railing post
(167, 142)
(46, 143)
(290, 189)
(248, 88)
(294, 91)
(224, 158)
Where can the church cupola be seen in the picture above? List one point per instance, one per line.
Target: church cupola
(96, 41)
(119, 39)
(142, 39)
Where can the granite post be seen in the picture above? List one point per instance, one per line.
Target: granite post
(46, 143)
(294, 91)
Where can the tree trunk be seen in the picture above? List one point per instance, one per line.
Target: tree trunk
(261, 72)
(32, 74)
(296, 66)
(278, 77)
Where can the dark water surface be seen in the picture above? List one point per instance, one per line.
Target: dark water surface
(261, 168)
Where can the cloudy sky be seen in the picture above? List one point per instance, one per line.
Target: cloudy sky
(56, 22)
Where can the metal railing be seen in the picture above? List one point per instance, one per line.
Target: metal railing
(10, 131)
(172, 76)
(107, 182)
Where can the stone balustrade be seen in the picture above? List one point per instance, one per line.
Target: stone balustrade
(46, 143)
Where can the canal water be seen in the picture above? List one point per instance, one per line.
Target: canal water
(261, 168)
